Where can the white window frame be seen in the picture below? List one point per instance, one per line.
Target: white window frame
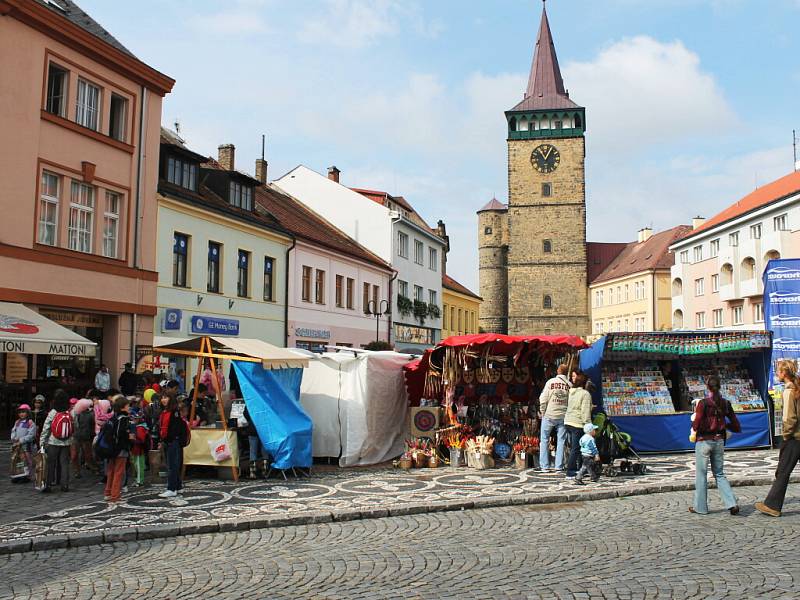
(684, 257)
(737, 315)
(121, 124)
(733, 239)
(60, 94)
(758, 312)
(80, 228)
(718, 317)
(755, 231)
(780, 223)
(402, 244)
(433, 258)
(700, 286)
(111, 224)
(87, 114)
(714, 247)
(402, 288)
(700, 320)
(48, 210)
(715, 283)
(419, 252)
(432, 297)
(418, 293)
(698, 253)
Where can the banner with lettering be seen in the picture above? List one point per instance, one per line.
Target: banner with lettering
(782, 309)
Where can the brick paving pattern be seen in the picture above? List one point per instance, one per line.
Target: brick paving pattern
(631, 548)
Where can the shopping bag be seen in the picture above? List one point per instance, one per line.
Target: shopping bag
(19, 468)
(40, 468)
(220, 449)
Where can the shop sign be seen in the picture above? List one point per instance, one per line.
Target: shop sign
(71, 319)
(316, 334)
(410, 334)
(39, 347)
(214, 326)
(782, 309)
(16, 368)
(172, 319)
(147, 361)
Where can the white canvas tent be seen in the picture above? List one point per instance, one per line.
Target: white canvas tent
(358, 405)
(24, 331)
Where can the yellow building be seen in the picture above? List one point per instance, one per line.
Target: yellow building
(633, 292)
(460, 308)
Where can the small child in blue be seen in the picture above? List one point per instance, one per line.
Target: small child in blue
(589, 454)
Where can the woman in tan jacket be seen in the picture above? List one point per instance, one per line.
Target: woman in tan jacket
(579, 413)
(790, 449)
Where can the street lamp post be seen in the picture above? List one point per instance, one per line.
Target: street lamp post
(378, 308)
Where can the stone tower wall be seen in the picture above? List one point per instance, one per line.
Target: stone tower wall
(492, 271)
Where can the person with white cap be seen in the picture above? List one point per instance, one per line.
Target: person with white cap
(589, 454)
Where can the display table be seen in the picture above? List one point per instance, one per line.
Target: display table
(199, 453)
(670, 433)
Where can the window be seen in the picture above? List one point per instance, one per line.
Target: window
(733, 239)
(81, 216)
(445, 320)
(269, 279)
(684, 256)
(699, 286)
(558, 124)
(117, 117)
(547, 190)
(351, 292)
(214, 252)
(714, 283)
(433, 259)
(547, 246)
(243, 282)
(340, 291)
(419, 250)
(698, 253)
(365, 300)
(636, 291)
(402, 244)
(758, 313)
(611, 295)
(700, 320)
(111, 224)
(644, 290)
(376, 293)
(402, 289)
(779, 223)
(182, 173)
(627, 292)
(241, 196)
(418, 293)
(717, 313)
(180, 263)
(714, 247)
(619, 294)
(755, 232)
(738, 315)
(547, 301)
(453, 318)
(487, 231)
(48, 208)
(88, 105)
(319, 287)
(432, 297)
(306, 287)
(56, 103)
(459, 320)
(598, 327)
(626, 325)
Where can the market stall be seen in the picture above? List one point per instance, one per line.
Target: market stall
(647, 382)
(269, 378)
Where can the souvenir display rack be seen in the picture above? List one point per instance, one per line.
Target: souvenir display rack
(668, 345)
(637, 389)
(736, 384)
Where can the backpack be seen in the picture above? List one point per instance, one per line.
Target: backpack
(85, 425)
(62, 426)
(105, 443)
(187, 438)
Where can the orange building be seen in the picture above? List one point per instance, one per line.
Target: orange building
(80, 125)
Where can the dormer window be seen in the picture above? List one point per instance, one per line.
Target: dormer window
(182, 173)
(241, 195)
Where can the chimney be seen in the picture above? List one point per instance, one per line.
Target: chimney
(697, 222)
(333, 174)
(645, 233)
(441, 231)
(226, 156)
(261, 170)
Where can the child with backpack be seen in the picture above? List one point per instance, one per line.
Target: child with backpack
(117, 431)
(141, 445)
(23, 441)
(55, 442)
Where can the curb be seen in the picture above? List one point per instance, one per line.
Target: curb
(149, 532)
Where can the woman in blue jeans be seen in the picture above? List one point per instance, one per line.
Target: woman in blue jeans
(713, 417)
(174, 436)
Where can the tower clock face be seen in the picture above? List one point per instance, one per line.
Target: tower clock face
(545, 158)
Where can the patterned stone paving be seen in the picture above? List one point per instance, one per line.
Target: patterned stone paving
(341, 490)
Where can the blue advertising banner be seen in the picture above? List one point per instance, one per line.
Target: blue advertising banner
(172, 319)
(214, 326)
(782, 309)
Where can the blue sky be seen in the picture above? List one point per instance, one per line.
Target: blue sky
(690, 103)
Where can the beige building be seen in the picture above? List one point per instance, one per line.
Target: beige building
(460, 308)
(533, 265)
(633, 293)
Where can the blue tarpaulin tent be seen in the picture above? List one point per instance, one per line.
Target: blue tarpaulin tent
(670, 432)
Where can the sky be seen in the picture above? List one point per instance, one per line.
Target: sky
(690, 104)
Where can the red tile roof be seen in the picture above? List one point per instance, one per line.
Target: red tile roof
(599, 255)
(766, 194)
(311, 227)
(651, 254)
(494, 204)
(451, 284)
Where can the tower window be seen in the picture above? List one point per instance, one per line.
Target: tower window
(547, 246)
(558, 125)
(512, 124)
(547, 302)
(578, 121)
(547, 190)
(487, 231)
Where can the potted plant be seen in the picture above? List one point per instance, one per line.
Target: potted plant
(433, 311)
(404, 305)
(420, 311)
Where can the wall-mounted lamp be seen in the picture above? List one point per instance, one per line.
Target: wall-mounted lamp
(230, 304)
(199, 299)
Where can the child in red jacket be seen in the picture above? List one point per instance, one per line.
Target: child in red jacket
(141, 444)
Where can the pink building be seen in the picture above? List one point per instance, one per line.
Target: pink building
(716, 279)
(79, 163)
(334, 284)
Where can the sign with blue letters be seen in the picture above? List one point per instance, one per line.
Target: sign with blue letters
(172, 319)
(214, 326)
(782, 309)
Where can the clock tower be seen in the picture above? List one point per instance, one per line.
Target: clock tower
(547, 289)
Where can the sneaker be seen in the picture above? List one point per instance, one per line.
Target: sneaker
(124, 489)
(107, 498)
(763, 508)
(180, 492)
(168, 494)
(578, 481)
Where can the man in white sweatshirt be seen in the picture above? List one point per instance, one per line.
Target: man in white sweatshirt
(553, 406)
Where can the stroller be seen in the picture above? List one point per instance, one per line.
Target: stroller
(613, 444)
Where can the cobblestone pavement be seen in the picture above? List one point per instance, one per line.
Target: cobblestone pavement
(85, 516)
(627, 548)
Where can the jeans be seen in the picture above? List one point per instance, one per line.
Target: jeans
(58, 462)
(256, 449)
(544, 440)
(174, 465)
(713, 450)
(574, 434)
(787, 460)
(588, 466)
